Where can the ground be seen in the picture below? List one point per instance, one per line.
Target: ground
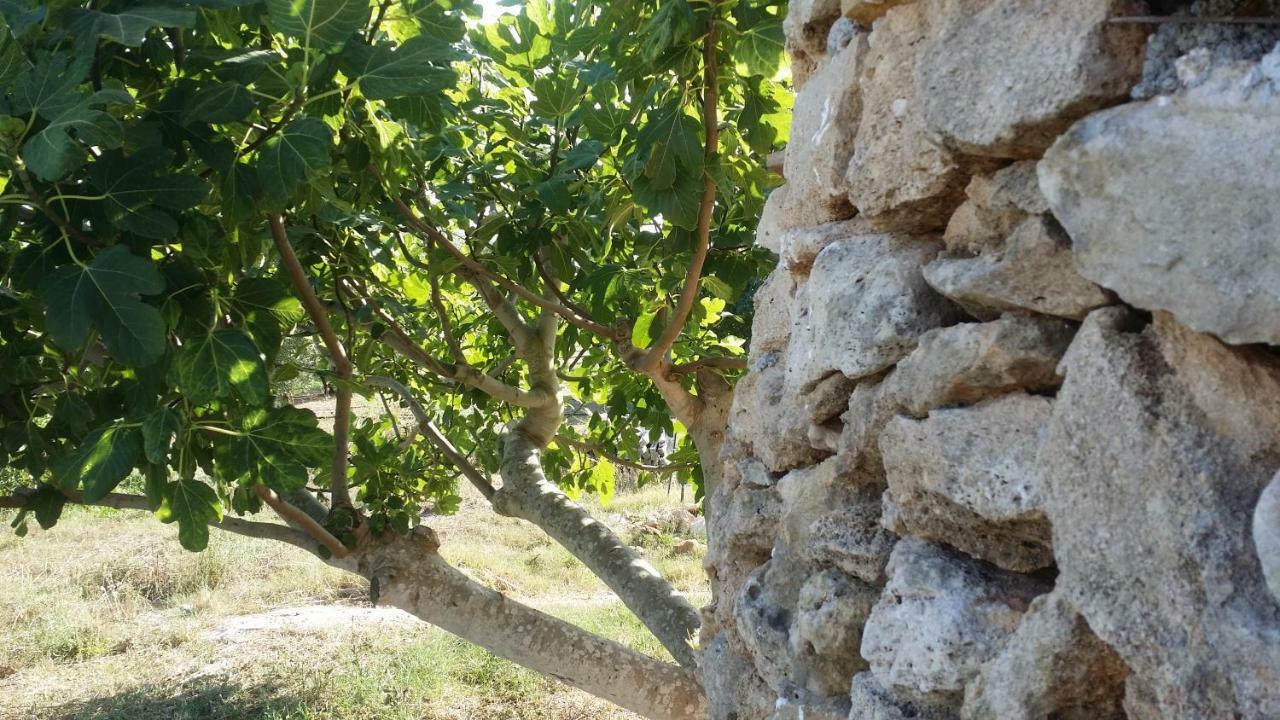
(105, 616)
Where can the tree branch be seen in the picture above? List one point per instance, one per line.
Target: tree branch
(301, 520)
(337, 353)
(616, 460)
(692, 278)
(718, 363)
(553, 284)
(426, 427)
(120, 501)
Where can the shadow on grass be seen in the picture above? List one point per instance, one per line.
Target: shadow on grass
(194, 701)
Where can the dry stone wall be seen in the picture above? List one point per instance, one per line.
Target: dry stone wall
(1009, 440)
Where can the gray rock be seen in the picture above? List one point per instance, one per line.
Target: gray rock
(765, 609)
(1160, 443)
(853, 539)
(1006, 79)
(1266, 535)
(827, 634)
(967, 477)
(864, 307)
(995, 205)
(940, 617)
(823, 123)
(1204, 241)
(1034, 271)
(871, 701)
(770, 417)
(828, 398)
(1209, 44)
(899, 179)
(771, 322)
(811, 709)
(1053, 666)
(965, 363)
(799, 248)
(734, 690)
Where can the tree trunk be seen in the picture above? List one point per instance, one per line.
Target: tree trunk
(408, 573)
(527, 494)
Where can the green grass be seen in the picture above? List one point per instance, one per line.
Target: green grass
(105, 616)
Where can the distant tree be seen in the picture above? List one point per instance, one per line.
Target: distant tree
(483, 221)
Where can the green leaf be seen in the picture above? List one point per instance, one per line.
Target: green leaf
(641, 333)
(555, 96)
(602, 480)
(674, 145)
(158, 430)
(48, 88)
(760, 48)
(130, 27)
(134, 186)
(100, 463)
(52, 153)
(385, 71)
(276, 447)
(218, 103)
(193, 505)
(298, 151)
(318, 24)
(105, 294)
(220, 365)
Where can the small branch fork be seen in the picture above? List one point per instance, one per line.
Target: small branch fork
(337, 354)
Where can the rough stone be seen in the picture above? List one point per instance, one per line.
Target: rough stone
(765, 608)
(734, 690)
(1035, 271)
(799, 248)
(940, 617)
(864, 307)
(811, 709)
(823, 123)
(966, 363)
(995, 205)
(1004, 80)
(1159, 445)
(967, 477)
(771, 323)
(899, 179)
(805, 30)
(1053, 666)
(871, 701)
(1266, 535)
(871, 407)
(828, 398)
(1208, 44)
(866, 12)
(1203, 242)
(771, 417)
(853, 539)
(774, 220)
(827, 633)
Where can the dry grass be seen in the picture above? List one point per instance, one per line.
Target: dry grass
(105, 616)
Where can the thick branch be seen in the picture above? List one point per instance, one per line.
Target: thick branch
(710, 119)
(718, 363)
(302, 520)
(337, 354)
(616, 460)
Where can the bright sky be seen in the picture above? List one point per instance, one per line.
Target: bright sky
(492, 9)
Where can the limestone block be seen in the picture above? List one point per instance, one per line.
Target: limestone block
(1266, 535)
(967, 477)
(1160, 444)
(1053, 666)
(940, 617)
(771, 323)
(1034, 271)
(1171, 203)
(1005, 79)
(871, 701)
(827, 634)
(770, 417)
(995, 205)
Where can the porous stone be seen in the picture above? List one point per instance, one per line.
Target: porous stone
(871, 701)
(836, 708)
(1266, 535)
(764, 609)
(827, 634)
(1166, 68)
(771, 417)
(995, 205)
(1053, 666)
(863, 308)
(967, 477)
(940, 617)
(771, 322)
(828, 398)
(734, 689)
(1003, 80)
(1171, 202)
(805, 30)
(853, 539)
(969, 362)
(866, 12)
(774, 220)
(1159, 445)
(1034, 271)
(823, 123)
(898, 179)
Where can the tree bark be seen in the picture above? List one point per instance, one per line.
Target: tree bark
(527, 494)
(408, 573)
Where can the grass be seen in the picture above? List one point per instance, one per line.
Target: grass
(105, 616)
